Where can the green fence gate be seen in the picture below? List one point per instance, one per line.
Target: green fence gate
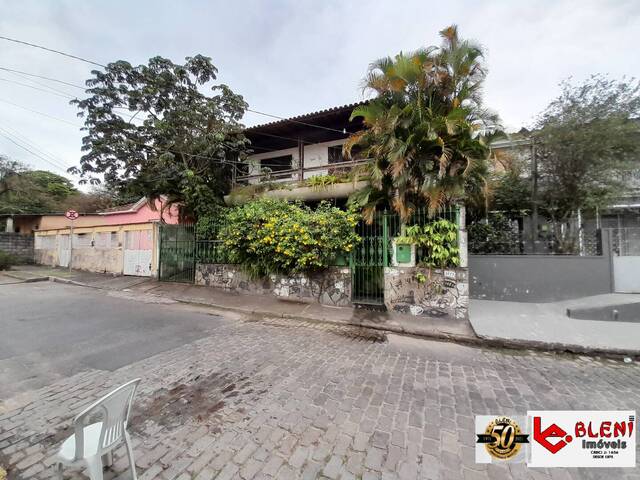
(373, 253)
(177, 253)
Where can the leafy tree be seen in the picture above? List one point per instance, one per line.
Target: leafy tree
(175, 141)
(587, 139)
(57, 187)
(426, 130)
(31, 191)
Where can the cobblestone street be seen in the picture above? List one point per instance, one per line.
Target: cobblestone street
(281, 399)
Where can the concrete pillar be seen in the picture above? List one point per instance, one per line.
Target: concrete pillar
(462, 237)
(9, 227)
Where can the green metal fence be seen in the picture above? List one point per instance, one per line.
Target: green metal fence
(177, 253)
(211, 251)
(181, 250)
(374, 253)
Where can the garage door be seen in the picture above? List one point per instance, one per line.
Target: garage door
(64, 250)
(137, 253)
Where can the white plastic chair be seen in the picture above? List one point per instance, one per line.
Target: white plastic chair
(98, 430)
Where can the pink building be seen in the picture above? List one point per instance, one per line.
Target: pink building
(122, 240)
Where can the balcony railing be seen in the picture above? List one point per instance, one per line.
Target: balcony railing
(298, 174)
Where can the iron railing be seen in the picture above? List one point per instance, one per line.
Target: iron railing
(297, 173)
(211, 251)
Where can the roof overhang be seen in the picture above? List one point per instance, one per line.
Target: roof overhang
(321, 126)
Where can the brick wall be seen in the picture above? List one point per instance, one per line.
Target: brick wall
(18, 245)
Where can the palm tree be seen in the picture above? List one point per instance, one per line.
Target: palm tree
(426, 130)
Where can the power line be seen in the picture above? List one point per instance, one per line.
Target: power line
(43, 77)
(41, 113)
(37, 88)
(343, 132)
(299, 122)
(33, 145)
(44, 85)
(7, 135)
(53, 51)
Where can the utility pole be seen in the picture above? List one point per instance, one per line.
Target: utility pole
(534, 196)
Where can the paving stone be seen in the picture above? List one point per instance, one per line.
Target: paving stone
(313, 401)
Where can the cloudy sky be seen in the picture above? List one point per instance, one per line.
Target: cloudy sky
(293, 57)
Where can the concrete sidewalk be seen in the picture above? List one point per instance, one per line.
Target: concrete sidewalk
(494, 323)
(262, 305)
(547, 325)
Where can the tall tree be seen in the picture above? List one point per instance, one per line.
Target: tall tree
(426, 130)
(31, 191)
(587, 139)
(151, 131)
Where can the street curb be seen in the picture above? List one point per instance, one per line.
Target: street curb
(8, 273)
(477, 340)
(557, 347)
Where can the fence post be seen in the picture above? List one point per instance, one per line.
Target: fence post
(461, 222)
(385, 239)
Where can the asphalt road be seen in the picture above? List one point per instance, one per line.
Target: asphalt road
(50, 330)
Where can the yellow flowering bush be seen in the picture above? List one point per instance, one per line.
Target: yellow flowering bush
(274, 236)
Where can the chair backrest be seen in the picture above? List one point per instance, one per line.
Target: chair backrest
(113, 411)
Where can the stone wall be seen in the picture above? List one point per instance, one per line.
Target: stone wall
(417, 291)
(18, 245)
(331, 286)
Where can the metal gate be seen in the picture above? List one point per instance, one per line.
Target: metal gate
(373, 253)
(368, 260)
(176, 259)
(625, 244)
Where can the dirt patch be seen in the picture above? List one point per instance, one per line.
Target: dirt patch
(361, 334)
(199, 400)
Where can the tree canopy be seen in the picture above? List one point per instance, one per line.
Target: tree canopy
(427, 128)
(23, 190)
(151, 131)
(587, 140)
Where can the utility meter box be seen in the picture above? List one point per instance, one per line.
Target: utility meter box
(404, 255)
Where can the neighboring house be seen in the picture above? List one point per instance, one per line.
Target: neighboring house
(121, 240)
(623, 212)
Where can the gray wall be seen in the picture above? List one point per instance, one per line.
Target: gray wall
(539, 278)
(18, 245)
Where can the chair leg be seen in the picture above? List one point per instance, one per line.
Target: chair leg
(107, 459)
(94, 467)
(132, 462)
(59, 471)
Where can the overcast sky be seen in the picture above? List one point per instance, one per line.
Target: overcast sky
(292, 57)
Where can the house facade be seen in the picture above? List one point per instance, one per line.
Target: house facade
(120, 241)
(301, 158)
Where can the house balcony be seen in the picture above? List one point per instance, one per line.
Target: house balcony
(312, 183)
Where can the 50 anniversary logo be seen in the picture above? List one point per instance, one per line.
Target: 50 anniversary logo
(559, 439)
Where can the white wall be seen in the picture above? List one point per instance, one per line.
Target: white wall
(314, 156)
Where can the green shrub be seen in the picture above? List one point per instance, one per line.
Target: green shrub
(6, 260)
(274, 236)
(495, 237)
(439, 242)
(321, 182)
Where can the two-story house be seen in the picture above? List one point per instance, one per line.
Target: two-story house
(288, 153)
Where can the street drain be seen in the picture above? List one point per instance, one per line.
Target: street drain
(199, 400)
